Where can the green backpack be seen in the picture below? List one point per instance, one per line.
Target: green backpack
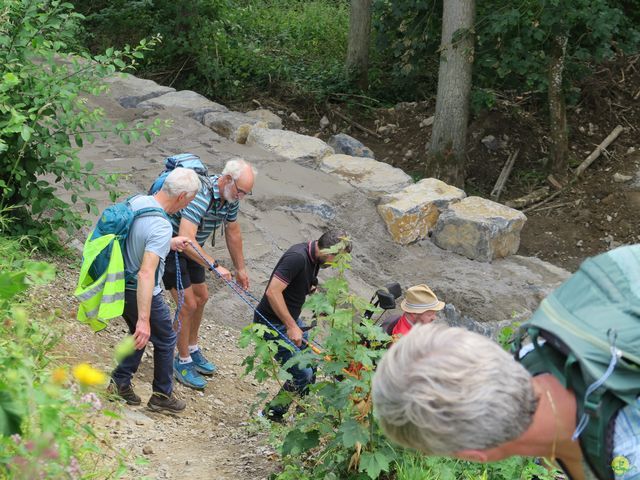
(591, 331)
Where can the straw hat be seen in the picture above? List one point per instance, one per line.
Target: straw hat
(419, 299)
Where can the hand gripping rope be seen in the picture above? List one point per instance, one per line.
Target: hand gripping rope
(244, 295)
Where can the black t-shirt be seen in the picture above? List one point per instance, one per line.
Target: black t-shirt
(297, 268)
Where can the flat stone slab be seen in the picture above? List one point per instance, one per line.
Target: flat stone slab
(302, 149)
(366, 174)
(413, 212)
(271, 119)
(479, 229)
(129, 91)
(232, 125)
(185, 100)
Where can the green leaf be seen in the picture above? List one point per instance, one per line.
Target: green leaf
(10, 79)
(374, 463)
(25, 133)
(12, 283)
(353, 432)
(297, 442)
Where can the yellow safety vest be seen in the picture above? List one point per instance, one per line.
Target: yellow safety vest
(103, 298)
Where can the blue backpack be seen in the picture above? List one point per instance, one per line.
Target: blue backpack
(117, 220)
(183, 160)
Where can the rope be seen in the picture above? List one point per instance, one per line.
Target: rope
(241, 292)
(180, 290)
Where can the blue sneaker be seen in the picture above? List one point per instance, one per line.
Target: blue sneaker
(203, 366)
(186, 374)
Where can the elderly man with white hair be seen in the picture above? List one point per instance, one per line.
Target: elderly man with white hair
(216, 205)
(145, 310)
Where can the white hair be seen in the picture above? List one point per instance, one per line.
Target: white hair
(441, 390)
(181, 180)
(236, 166)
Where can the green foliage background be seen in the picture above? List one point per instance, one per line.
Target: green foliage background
(231, 49)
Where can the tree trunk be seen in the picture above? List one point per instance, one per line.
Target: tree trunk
(559, 154)
(357, 64)
(447, 150)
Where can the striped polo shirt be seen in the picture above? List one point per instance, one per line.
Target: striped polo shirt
(196, 211)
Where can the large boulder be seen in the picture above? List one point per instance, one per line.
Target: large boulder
(290, 145)
(185, 100)
(232, 125)
(412, 213)
(366, 174)
(271, 119)
(479, 229)
(343, 143)
(129, 91)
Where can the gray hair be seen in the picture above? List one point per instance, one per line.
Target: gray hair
(181, 180)
(441, 390)
(236, 166)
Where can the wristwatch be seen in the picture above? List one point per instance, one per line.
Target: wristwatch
(215, 265)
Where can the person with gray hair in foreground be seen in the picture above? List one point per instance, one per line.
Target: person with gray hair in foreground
(451, 392)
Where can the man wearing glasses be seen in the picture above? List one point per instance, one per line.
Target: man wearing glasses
(215, 205)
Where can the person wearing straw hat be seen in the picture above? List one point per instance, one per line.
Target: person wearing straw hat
(420, 305)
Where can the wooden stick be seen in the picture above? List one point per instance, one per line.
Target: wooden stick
(356, 124)
(548, 207)
(553, 181)
(596, 153)
(546, 200)
(528, 199)
(504, 175)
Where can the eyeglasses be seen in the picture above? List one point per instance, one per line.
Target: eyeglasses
(240, 191)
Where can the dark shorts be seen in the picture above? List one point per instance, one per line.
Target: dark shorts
(191, 272)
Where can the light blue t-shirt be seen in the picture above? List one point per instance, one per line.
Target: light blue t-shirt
(147, 234)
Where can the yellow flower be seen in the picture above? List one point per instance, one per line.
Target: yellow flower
(59, 376)
(87, 375)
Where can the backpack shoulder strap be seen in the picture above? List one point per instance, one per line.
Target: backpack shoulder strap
(150, 212)
(549, 355)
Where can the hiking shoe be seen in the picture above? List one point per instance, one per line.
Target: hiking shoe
(203, 366)
(186, 374)
(159, 402)
(125, 393)
(271, 415)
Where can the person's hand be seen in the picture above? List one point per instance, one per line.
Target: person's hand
(179, 243)
(295, 335)
(224, 273)
(243, 279)
(142, 334)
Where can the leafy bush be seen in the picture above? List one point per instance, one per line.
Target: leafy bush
(44, 118)
(46, 417)
(230, 48)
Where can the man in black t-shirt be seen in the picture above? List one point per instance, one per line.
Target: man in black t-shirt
(293, 278)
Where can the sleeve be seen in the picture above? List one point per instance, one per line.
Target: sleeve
(290, 265)
(159, 238)
(232, 215)
(197, 209)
